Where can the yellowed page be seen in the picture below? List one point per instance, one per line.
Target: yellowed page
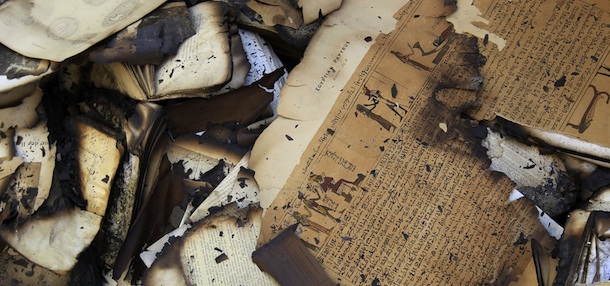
(98, 156)
(20, 271)
(386, 184)
(341, 49)
(203, 62)
(56, 30)
(218, 254)
(36, 173)
(554, 71)
(238, 186)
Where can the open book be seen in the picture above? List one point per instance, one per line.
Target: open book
(203, 63)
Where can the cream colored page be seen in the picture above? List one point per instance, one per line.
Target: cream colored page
(223, 193)
(382, 194)
(200, 156)
(98, 158)
(329, 61)
(554, 71)
(56, 30)
(34, 148)
(221, 254)
(7, 85)
(312, 9)
(203, 62)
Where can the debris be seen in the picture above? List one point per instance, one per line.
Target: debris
(288, 260)
(541, 178)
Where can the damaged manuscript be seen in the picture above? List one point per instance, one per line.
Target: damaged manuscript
(387, 185)
(203, 64)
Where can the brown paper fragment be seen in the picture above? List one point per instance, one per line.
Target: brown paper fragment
(242, 105)
(289, 261)
(277, 12)
(314, 9)
(22, 115)
(18, 270)
(98, 156)
(13, 95)
(151, 222)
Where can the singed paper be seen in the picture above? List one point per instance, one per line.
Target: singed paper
(554, 71)
(60, 29)
(215, 252)
(384, 181)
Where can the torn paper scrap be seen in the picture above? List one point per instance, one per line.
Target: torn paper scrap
(217, 251)
(288, 260)
(541, 178)
(54, 242)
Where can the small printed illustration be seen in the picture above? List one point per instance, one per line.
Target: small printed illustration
(587, 117)
(328, 183)
(374, 98)
(425, 58)
(320, 205)
(591, 106)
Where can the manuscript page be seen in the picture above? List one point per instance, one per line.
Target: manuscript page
(385, 183)
(218, 252)
(553, 72)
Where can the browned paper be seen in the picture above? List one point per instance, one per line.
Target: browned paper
(287, 259)
(390, 188)
(554, 71)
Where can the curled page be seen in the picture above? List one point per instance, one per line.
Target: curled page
(60, 29)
